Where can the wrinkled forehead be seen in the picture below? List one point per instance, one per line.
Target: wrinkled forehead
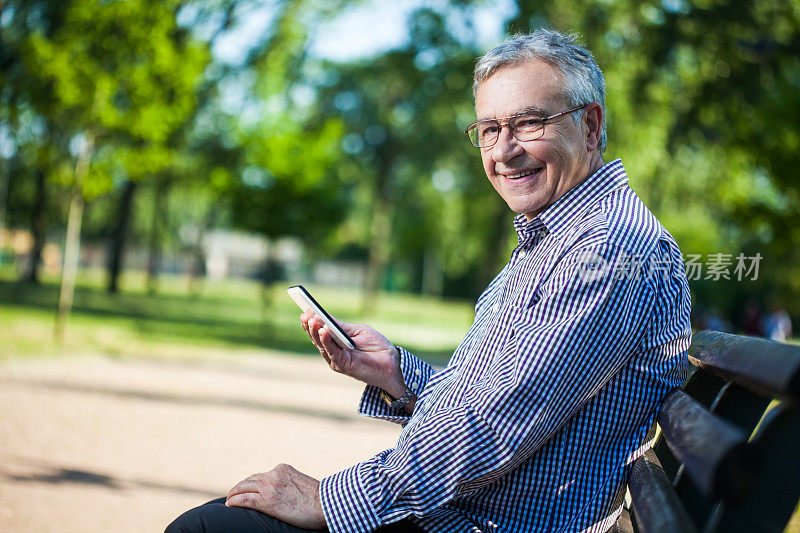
(519, 87)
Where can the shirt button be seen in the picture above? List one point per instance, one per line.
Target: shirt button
(522, 254)
(418, 372)
(496, 307)
(414, 386)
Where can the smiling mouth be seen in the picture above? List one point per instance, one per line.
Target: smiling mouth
(522, 174)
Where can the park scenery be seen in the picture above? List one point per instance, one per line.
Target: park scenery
(169, 167)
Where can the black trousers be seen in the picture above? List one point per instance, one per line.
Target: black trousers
(215, 516)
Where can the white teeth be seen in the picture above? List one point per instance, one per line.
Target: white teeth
(522, 174)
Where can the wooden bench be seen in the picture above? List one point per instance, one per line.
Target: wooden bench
(726, 452)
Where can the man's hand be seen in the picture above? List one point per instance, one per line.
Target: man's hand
(283, 493)
(374, 361)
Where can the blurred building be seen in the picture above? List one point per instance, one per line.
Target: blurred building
(223, 254)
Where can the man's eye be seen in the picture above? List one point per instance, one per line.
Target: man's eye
(487, 130)
(528, 123)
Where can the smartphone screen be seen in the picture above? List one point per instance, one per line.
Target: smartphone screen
(306, 302)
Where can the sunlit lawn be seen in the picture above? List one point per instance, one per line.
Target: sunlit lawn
(224, 315)
(222, 318)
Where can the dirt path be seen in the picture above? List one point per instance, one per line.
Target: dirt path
(97, 444)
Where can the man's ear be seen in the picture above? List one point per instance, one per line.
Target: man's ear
(593, 118)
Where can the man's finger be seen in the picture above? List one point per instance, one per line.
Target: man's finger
(323, 348)
(313, 329)
(326, 338)
(247, 485)
(315, 325)
(330, 346)
(252, 500)
(325, 355)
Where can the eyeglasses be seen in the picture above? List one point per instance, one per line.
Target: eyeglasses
(524, 127)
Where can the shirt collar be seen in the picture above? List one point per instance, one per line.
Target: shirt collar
(567, 209)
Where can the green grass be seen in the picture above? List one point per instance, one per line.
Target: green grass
(225, 315)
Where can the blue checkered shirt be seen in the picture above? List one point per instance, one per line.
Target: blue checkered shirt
(533, 423)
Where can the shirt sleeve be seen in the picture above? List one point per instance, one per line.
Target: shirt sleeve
(416, 374)
(561, 350)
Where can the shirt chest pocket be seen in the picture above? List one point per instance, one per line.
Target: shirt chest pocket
(521, 299)
(515, 317)
(503, 342)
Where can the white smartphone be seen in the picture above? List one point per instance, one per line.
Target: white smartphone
(306, 302)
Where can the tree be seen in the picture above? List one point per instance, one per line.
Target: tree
(704, 108)
(119, 74)
(420, 199)
(200, 154)
(287, 184)
(119, 234)
(38, 146)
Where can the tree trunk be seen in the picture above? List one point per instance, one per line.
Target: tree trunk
(197, 267)
(5, 179)
(380, 239)
(39, 227)
(118, 236)
(378, 253)
(197, 270)
(270, 273)
(495, 255)
(432, 273)
(154, 253)
(69, 271)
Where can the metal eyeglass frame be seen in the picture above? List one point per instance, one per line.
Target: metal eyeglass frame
(505, 122)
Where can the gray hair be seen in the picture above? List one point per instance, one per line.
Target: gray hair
(583, 79)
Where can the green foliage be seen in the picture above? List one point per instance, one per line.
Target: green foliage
(285, 184)
(704, 109)
(404, 113)
(289, 187)
(122, 72)
(113, 66)
(703, 102)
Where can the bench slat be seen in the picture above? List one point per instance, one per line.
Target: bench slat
(655, 505)
(714, 453)
(769, 367)
(715, 433)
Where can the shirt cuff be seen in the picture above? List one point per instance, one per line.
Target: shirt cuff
(416, 374)
(345, 504)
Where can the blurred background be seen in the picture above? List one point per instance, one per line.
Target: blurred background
(168, 148)
(168, 168)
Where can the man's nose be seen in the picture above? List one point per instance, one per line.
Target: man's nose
(507, 146)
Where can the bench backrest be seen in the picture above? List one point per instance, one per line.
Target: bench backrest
(726, 453)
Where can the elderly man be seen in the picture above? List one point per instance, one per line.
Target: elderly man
(549, 397)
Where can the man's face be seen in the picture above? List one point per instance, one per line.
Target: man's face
(531, 175)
